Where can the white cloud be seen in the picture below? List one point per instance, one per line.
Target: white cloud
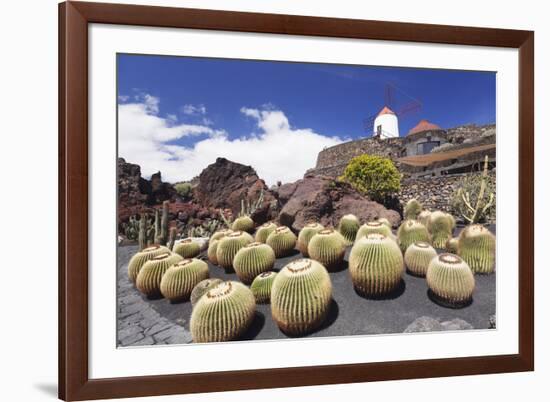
(193, 110)
(277, 152)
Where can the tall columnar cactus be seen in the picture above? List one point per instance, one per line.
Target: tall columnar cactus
(477, 246)
(141, 257)
(327, 247)
(375, 265)
(142, 237)
(452, 245)
(473, 210)
(164, 224)
(373, 227)
(385, 222)
(410, 232)
(180, 279)
(424, 217)
(282, 241)
(450, 279)
(252, 260)
(439, 226)
(229, 246)
(172, 237)
(261, 286)
(418, 257)
(219, 234)
(223, 313)
(305, 235)
(212, 251)
(348, 227)
(243, 223)
(412, 209)
(187, 248)
(300, 296)
(150, 275)
(264, 231)
(202, 287)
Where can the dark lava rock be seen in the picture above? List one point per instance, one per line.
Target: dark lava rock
(429, 324)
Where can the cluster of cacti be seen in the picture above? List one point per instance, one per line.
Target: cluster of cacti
(180, 279)
(348, 227)
(327, 247)
(187, 248)
(282, 241)
(212, 251)
(141, 257)
(151, 273)
(243, 223)
(452, 245)
(418, 257)
(305, 235)
(223, 313)
(424, 217)
(450, 279)
(206, 229)
(301, 296)
(228, 247)
(373, 227)
(252, 260)
(375, 265)
(477, 246)
(440, 228)
(412, 209)
(261, 286)
(131, 228)
(264, 231)
(146, 235)
(410, 232)
(385, 222)
(202, 287)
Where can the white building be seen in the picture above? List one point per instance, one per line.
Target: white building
(386, 124)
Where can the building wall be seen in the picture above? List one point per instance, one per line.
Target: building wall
(412, 142)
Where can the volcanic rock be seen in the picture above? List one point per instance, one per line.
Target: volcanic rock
(429, 324)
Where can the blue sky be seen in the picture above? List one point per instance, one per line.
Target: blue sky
(180, 105)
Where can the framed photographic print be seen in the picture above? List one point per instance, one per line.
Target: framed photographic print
(258, 200)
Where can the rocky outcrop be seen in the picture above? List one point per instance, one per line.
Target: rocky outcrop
(429, 324)
(325, 200)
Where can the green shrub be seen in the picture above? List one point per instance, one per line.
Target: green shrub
(183, 189)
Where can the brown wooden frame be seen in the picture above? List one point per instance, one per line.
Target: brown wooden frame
(74, 17)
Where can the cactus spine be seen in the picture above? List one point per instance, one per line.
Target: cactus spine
(252, 260)
(328, 247)
(452, 245)
(418, 257)
(229, 246)
(223, 313)
(305, 235)
(212, 251)
(477, 246)
(348, 227)
(450, 279)
(150, 275)
(180, 279)
(410, 232)
(439, 226)
(141, 257)
(187, 248)
(243, 223)
(373, 227)
(412, 209)
(202, 287)
(264, 231)
(282, 241)
(300, 296)
(261, 286)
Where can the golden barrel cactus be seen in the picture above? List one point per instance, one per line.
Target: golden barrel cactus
(243, 223)
(418, 257)
(373, 227)
(261, 286)
(252, 260)
(263, 231)
(150, 275)
(187, 248)
(477, 246)
(412, 209)
(440, 228)
(327, 247)
(202, 287)
(348, 227)
(212, 251)
(228, 247)
(450, 279)
(305, 235)
(219, 234)
(141, 257)
(410, 232)
(282, 241)
(180, 279)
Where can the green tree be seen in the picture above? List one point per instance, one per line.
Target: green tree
(183, 189)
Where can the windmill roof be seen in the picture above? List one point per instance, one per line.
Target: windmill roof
(423, 125)
(385, 110)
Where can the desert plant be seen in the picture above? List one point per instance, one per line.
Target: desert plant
(244, 223)
(263, 231)
(348, 227)
(327, 247)
(282, 241)
(300, 296)
(252, 260)
(450, 279)
(261, 286)
(418, 257)
(172, 237)
(219, 234)
(141, 257)
(452, 221)
(184, 189)
(424, 217)
(202, 287)
(146, 232)
(410, 232)
(476, 245)
(412, 209)
(187, 248)
(385, 222)
(439, 226)
(151, 273)
(452, 245)
(305, 235)
(375, 265)
(212, 251)
(373, 227)
(161, 224)
(228, 247)
(223, 313)
(179, 280)
(131, 228)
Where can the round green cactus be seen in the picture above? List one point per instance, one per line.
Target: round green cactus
(282, 241)
(187, 248)
(477, 246)
(300, 296)
(261, 286)
(439, 226)
(220, 234)
(348, 227)
(418, 257)
(150, 275)
(264, 231)
(223, 313)
(252, 260)
(328, 247)
(424, 217)
(385, 222)
(410, 232)
(452, 245)
(228, 247)
(180, 279)
(373, 227)
(212, 251)
(141, 257)
(450, 279)
(243, 223)
(452, 220)
(305, 235)
(375, 265)
(202, 287)
(412, 209)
